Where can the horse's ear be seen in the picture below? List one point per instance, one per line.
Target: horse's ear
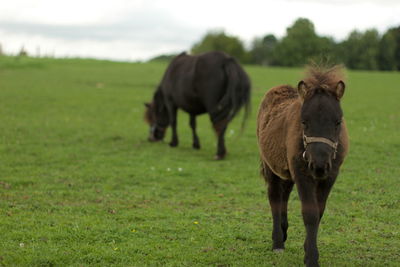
(302, 89)
(340, 89)
(147, 105)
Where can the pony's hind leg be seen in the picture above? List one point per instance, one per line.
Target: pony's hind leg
(278, 193)
(220, 129)
(287, 187)
(196, 141)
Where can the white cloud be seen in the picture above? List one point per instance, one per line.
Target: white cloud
(72, 12)
(117, 49)
(138, 29)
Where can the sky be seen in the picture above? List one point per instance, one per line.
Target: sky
(131, 30)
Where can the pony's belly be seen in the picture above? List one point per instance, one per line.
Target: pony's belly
(280, 171)
(194, 110)
(191, 105)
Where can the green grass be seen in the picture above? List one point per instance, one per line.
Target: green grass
(81, 186)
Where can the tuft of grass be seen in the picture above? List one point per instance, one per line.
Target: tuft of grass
(80, 185)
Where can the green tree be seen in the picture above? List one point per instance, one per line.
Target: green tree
(395, 32)
(327, 47)
(163, 57)
(219, 41)
(387, 52)
(361, 50)
(301, 44)
(351, 50)
(262, 50)
(370, 49)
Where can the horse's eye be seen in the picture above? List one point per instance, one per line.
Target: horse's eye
(338, 123)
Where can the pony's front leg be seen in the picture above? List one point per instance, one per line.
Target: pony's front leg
(172, 114)
(323, 190)
(172, 119)
(306, 188)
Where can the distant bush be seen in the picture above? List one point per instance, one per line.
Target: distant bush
(220, 41)
(13, 62)
(165, 57)
(23, 52)
(361, 50)
(366, 50)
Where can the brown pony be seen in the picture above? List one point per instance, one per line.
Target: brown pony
(303, 140)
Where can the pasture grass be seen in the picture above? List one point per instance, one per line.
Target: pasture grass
(81, 186)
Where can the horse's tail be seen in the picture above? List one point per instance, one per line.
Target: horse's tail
(237, 94)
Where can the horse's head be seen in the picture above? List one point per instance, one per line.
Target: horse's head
(156, 116)
(321, 118)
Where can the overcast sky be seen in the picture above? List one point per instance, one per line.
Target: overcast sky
(140, 29)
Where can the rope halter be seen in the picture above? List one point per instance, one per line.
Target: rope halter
(311, 139)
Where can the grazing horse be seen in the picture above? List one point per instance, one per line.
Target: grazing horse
(212, 83)
(302, 140)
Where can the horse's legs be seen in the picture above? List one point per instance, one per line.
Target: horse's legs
(323, 189)
(172, 115)
(220, 129)
(287, 187)
(275, 196)
(196, 141)
(309, 207)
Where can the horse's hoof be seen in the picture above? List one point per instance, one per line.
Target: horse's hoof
(196, 146)
(219, 157)
(279, 250)
(172, 144)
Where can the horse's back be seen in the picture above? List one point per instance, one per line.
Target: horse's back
(177, 83)
(210, 76)
(181, 67)
(274, 103)
(196, 83)
(194, 67)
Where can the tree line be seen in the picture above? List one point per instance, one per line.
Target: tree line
(366, 50)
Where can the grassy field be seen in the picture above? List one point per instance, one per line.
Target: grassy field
(81, 186)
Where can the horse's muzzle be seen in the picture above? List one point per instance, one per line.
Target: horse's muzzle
(319, 170)
(319, 164)
(156, 133)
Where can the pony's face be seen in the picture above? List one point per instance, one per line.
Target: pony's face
(321, 118)
(157, 120)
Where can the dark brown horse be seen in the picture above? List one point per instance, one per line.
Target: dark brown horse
(303, 140)
(212, 83)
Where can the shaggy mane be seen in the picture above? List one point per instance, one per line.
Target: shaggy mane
(323, 77)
